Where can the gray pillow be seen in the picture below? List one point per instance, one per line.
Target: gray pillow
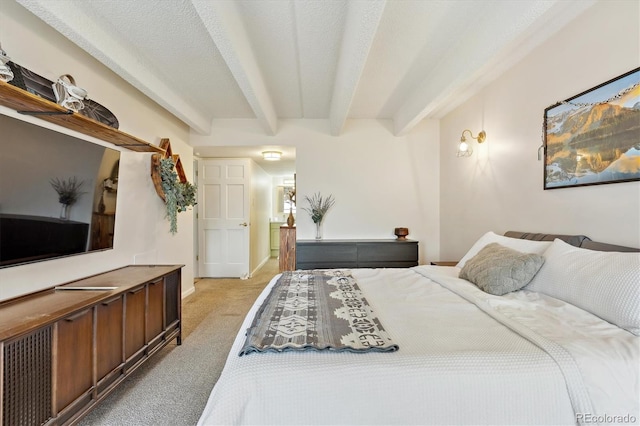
(500, 270)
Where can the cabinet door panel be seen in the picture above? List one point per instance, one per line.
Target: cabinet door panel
(274, 238)
(323, 252)
(73, 355)
(390, 252)
(134, 321)
(155, 314)
(109, 329)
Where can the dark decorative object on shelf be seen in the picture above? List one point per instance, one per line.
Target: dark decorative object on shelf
(101, 206)
(109, 184)
(401, 233)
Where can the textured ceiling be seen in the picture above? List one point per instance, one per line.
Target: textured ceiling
(401, 60)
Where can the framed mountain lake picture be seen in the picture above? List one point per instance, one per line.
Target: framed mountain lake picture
(594, 137)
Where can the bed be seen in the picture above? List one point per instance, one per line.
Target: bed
(563, 349)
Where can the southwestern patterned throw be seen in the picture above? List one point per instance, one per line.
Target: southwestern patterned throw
(316, 310)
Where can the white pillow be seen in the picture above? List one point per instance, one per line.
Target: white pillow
(607, 284)
(524, 246)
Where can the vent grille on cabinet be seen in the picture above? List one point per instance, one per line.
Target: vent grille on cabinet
(26, 399)
(171, 282)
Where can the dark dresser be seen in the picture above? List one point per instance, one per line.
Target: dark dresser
(320, 254)
(24, 238)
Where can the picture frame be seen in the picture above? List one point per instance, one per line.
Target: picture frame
(594, 137)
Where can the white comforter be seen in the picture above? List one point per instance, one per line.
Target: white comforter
(462, 360)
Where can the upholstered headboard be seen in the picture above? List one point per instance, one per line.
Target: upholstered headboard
(574, 240)
(594, 245)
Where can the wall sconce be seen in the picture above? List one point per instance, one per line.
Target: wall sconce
(271, 155)
(464, 149)
(6, 74)
(68, 95)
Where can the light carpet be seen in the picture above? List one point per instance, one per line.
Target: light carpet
(173, 386)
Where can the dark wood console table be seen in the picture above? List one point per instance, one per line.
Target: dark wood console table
(26, 238)
(64, 349)
(317, 254)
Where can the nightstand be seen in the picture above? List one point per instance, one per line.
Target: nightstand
(287, 258)
(444, 263)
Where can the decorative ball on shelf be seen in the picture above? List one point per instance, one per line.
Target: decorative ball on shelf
(401, 233)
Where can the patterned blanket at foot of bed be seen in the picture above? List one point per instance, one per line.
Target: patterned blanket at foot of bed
(316, 310)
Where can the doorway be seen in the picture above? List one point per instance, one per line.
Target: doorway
(223, 217)
(236, 208)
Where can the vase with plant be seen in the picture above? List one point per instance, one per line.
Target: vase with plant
(178, 196)
(68, 193)
(291, 195)
(318, 207)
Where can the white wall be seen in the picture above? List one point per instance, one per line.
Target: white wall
(379, 181)
(142, 232)
(499, 188)
(261, 190)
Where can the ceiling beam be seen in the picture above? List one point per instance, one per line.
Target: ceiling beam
(488, 51)
(225, 25)
(361, 24)
(553, 20)
(75, 25)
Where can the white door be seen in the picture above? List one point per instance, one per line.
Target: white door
(223, 217)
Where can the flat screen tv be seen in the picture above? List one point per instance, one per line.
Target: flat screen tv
(34, 224)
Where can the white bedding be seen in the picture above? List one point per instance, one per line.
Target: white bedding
(457, 363)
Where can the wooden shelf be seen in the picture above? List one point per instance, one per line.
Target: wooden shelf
(21, 100)
(165, 145)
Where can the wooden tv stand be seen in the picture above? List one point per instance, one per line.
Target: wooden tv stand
(64, 349)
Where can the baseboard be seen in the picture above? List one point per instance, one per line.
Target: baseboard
(264, 261)
(188, 292)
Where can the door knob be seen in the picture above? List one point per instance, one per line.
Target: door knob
(244, 224)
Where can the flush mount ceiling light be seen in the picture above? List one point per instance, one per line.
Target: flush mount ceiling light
(464, 149)
(271, 155)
